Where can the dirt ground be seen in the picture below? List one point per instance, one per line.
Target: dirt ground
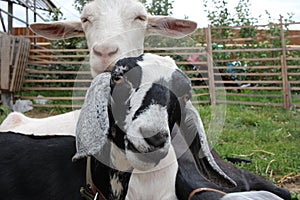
(292, 183)
(35, 113)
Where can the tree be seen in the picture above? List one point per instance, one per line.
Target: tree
(159, 7)
(154, 7)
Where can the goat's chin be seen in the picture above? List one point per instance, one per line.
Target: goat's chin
(139, 164)
(146, 161)
(98, 66)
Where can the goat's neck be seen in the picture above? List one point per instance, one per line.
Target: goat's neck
(113, 180)
(112, 183)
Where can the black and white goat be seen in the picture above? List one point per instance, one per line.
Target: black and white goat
(130, 129)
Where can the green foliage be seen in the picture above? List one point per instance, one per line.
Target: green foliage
(79, 4)
(154, 7)
(255, 37)
(4, 111)
(159, 7)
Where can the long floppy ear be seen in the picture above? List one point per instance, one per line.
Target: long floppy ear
(192, 129)
(169, 26)
(58, 30)
(93, 123)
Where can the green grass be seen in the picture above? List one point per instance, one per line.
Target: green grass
(4, 111)
(262, 134)
(269, 136)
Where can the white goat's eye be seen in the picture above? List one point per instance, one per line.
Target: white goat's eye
(140, 18)
(84, 19)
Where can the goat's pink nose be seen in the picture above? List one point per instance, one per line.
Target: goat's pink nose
(105, 50)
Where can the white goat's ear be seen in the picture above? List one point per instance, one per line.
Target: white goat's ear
(192, 130)
(58, 30)
(93, 123)
(169, 26)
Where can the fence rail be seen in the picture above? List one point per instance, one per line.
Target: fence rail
(232, 70)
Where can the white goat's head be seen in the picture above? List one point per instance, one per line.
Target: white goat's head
(114, 29)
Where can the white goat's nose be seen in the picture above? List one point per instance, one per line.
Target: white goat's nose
(105, 50)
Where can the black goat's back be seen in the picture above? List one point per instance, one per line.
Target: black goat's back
(39, 167)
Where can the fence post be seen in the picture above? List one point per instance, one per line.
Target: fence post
(5, 70)
(210, 67)
(284, 71)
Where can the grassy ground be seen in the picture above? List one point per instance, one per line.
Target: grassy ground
(269, 136)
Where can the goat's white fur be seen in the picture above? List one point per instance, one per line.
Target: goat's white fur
(156, 183)
(63, 124)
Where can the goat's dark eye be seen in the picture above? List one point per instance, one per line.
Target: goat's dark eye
(84, 19)
(117, 79)
(140, 18)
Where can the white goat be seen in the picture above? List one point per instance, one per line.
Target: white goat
(64, 124)
(114, 29)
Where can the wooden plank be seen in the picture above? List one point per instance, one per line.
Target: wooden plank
(254, 82)
(191, 63)
(285, 87)
(246, 50)
(54, 88)
(52, 98)
(16, 63)
(12, 50)
(58, 56)
(5, 68)
(63, 62)
(201, 95)
(294, 82)
(240, 40)
(58, 50)
(34, 71)
(249, 74)
(248, 59)
(250, 103)
(294, 59)
(250, 67)
(198, 79)
(293, 67)
(56, 106)
(23, 64)
(293, 73)
(254, 95)
(172, 48)
(200, 102)
(58, 81)
(250, 88)
(210, 64)
(200, 87)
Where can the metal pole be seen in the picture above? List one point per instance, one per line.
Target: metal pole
(9, 17)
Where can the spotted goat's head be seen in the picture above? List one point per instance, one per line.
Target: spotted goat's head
(135, 108)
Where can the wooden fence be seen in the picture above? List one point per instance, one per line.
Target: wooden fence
(232, 70)
(13, 57)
